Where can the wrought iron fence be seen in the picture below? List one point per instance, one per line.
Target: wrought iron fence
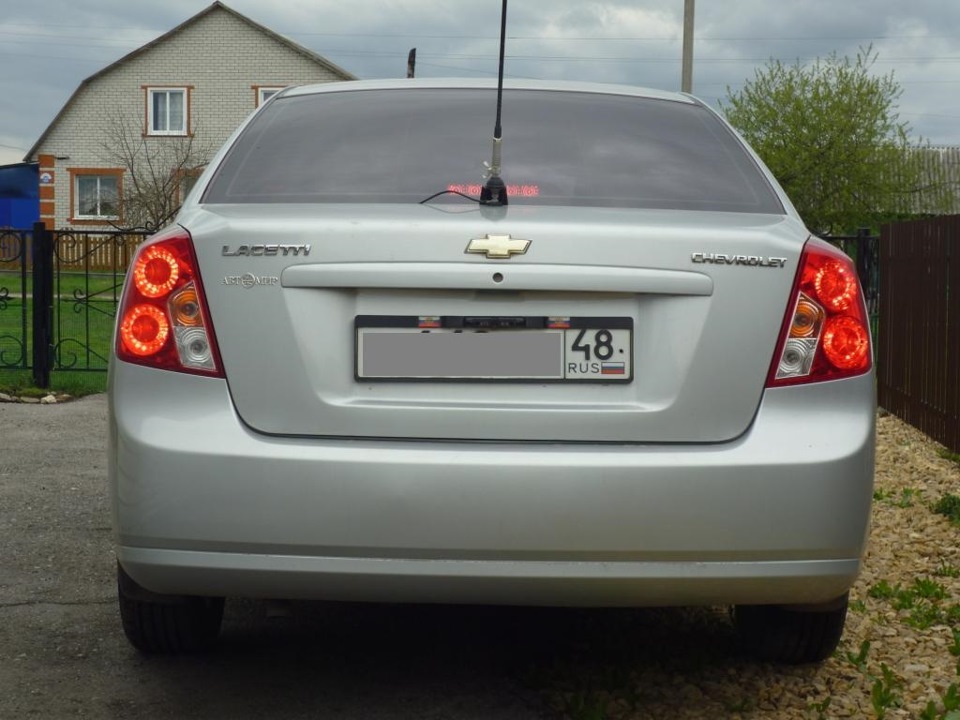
(14, 306)
(88, 271)
(59, 292)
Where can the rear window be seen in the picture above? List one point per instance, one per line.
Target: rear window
(559, 148)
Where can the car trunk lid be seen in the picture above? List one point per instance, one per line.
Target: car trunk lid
(701, 295)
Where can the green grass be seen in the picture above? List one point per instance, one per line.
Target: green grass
(77, 384)
(82, 330)
(14, 347)
(947, 455)
(67, 283)
(949, 506)
(906, 499)
(82, 334)
(923, 602)
(947, 570)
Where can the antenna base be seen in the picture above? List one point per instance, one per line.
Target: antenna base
(494, 191)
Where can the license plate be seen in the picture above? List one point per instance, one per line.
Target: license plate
(494, 349)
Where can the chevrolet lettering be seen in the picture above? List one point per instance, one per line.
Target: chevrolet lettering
(265, 250)
(750, 260)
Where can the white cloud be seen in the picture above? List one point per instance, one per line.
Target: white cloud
(571, 39)
(10, 156)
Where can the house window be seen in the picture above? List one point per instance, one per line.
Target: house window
(265, 92)
(167, 111)
(96, 194)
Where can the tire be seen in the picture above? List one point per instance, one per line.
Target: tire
(791, 634)
(156, 623)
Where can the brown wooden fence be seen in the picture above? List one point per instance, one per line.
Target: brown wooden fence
(918, 357)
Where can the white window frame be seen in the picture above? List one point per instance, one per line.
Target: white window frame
(272, 89)
(76, 195)
(154, 91)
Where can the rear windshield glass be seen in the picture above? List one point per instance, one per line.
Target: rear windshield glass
(559, 148)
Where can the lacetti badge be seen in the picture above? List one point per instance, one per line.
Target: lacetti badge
(498, 246)
(748, 260)
(265, 250)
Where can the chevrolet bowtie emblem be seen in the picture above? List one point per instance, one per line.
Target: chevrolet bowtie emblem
(498, 246)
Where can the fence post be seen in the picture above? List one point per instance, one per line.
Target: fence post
(864, 255)
(42, 304)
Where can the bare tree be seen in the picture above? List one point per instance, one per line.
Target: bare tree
(155, 169)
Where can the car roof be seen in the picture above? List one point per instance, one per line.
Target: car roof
(485, 83)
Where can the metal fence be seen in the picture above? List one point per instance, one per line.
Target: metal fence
(59, 292)
(918, 359)
(14, 305)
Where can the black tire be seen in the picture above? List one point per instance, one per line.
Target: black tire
(793, 634)
(167, 623)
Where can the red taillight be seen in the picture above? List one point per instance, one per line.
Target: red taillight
(826, 332)
(164, 321)
(156, 271)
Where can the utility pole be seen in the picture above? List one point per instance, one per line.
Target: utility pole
(686, 79)
(412, 63)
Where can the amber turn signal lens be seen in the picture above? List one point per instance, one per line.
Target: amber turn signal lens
(144, 330)
(806, 319)
(156, 272)
(185, 307)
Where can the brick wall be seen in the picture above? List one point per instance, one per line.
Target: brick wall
(220, 57)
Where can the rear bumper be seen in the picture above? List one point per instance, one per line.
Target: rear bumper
(202, 505)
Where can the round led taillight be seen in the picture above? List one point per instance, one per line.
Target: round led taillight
(836, 286)
(156, 272)
(144, 330)
(846, 343)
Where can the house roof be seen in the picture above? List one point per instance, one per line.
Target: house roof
(320, 60)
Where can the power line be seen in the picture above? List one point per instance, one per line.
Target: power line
(583, 38)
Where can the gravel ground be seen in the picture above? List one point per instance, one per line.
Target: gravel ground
(897, 655)
(62, 653)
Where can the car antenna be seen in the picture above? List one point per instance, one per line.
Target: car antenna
(494, 191)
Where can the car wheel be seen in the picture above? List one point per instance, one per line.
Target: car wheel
(155, 623)
(791, 634)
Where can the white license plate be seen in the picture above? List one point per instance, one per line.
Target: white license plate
(501, 349)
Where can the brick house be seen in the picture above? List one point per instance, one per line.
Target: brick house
(190, 88)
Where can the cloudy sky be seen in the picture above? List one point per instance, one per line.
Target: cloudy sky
(47, 47)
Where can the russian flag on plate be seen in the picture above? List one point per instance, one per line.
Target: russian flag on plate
(613, 368)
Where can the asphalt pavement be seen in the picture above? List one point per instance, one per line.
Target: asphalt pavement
(63, 654)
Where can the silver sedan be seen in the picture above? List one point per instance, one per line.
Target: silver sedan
(635, 380)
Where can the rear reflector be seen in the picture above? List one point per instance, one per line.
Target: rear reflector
(164, 322)
(826, 332)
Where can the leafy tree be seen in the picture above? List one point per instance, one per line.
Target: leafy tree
(830, 133)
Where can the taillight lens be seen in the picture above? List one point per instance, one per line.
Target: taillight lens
(826, 332)
(164, 321)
